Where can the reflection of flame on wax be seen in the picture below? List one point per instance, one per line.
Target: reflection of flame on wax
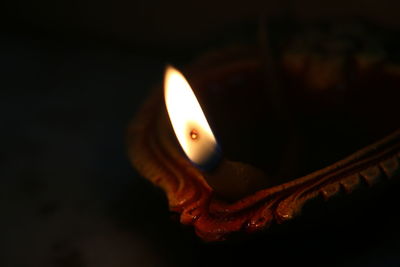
(187, 118)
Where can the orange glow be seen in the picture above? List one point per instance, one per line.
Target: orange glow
(187, 118)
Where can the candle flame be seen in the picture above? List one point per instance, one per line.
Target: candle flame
(187, 118)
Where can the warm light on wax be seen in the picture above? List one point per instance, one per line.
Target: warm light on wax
(187, 118)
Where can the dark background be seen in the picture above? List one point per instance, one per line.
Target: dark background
(73, 73)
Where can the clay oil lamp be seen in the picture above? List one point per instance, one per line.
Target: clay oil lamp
(237, 142)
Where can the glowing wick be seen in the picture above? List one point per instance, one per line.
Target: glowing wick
(194, 134)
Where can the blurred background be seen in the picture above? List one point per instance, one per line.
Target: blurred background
(73, 75)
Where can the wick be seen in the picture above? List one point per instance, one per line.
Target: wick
(194, 134)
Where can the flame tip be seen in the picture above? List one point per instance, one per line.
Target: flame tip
(169, 66)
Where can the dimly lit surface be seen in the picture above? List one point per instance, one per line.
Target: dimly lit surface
(69, 196)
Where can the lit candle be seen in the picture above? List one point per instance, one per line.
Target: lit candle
(187, 118)
(231, 180)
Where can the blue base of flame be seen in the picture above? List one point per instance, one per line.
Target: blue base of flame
(212, 162)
